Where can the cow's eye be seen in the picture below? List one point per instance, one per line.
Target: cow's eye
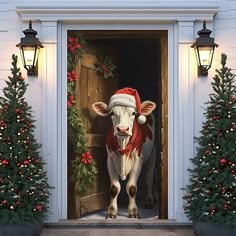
(134, 113)
(111, 113)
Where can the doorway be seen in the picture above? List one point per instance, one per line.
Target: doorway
(141, 60)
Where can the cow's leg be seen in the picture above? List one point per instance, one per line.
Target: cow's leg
(131, 188)
(150, 165)
(114, 189)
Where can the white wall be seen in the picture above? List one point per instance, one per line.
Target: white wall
(11, 27)
(224, 32)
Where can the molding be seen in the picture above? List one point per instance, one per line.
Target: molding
(115, 11)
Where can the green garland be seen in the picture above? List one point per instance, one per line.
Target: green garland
(84, 168)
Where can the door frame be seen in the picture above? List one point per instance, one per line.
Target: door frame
(181, 19)
(171, 52)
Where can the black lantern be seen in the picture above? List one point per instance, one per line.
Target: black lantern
(204, 48)
(29, 48)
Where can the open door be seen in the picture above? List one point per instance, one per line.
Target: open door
(141, 60)
(93, 87)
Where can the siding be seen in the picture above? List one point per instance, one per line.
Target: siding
(9, 37)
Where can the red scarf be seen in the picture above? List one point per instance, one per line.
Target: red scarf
(140, 133)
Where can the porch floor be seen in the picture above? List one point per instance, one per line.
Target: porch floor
(116, 232)
(122, 214)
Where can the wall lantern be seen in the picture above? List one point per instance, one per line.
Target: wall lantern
(29, 48)
(204, 47)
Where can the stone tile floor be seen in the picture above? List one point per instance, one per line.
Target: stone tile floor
(95, 225)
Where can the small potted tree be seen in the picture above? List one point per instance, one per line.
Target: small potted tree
(210, 195)
(24, 191)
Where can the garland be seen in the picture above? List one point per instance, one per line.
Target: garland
(84, 168)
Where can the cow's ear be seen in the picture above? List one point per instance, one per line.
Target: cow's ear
(100, 108)
(147, 107)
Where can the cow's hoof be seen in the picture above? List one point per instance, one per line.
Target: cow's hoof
(134, 216)
(110, 216)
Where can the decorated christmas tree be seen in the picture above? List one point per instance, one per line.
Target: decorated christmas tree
(23, 183)
(211, 193)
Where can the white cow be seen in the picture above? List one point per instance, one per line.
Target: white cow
(129, 144)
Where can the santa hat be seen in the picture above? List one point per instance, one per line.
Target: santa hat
(128, 97)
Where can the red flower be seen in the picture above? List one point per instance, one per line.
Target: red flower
(71, 76)
(70, 100)
(86, 158)
(73, 43)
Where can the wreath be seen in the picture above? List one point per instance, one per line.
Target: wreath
(84, 168)
(105, 66)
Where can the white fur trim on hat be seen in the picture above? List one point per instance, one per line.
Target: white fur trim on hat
(123, 100)
(141, 119)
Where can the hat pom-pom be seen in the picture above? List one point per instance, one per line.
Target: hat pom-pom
(141, 119)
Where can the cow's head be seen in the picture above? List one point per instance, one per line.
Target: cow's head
(123, 116)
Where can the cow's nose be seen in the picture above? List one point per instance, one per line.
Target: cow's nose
(123, 129)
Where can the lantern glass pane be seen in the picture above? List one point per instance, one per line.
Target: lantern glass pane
(29, 56)
(205, 55)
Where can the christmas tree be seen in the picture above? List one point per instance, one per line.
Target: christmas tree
(210, 195)
(23, 183)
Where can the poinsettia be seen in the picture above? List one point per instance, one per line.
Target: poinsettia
(71, 76)
(87, 158)
(73, 44)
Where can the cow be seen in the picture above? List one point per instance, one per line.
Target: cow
(129, 143)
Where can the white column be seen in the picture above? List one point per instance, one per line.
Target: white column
(185, 128)
(50, 114)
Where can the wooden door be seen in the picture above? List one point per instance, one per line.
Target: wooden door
(93, 87)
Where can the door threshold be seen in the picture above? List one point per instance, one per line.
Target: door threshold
(121, 223)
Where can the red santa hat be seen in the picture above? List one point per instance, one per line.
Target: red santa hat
(128, 97)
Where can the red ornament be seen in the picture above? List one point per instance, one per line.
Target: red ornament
(223, 190)
(39, 207)
(207, 152)
(216, 118)
(4, 162)
(234, 126)
(26, 162)
(4, 202)
(18, 111)
(225, 207)
(223, 161)
(213, 210)
(20, 77)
